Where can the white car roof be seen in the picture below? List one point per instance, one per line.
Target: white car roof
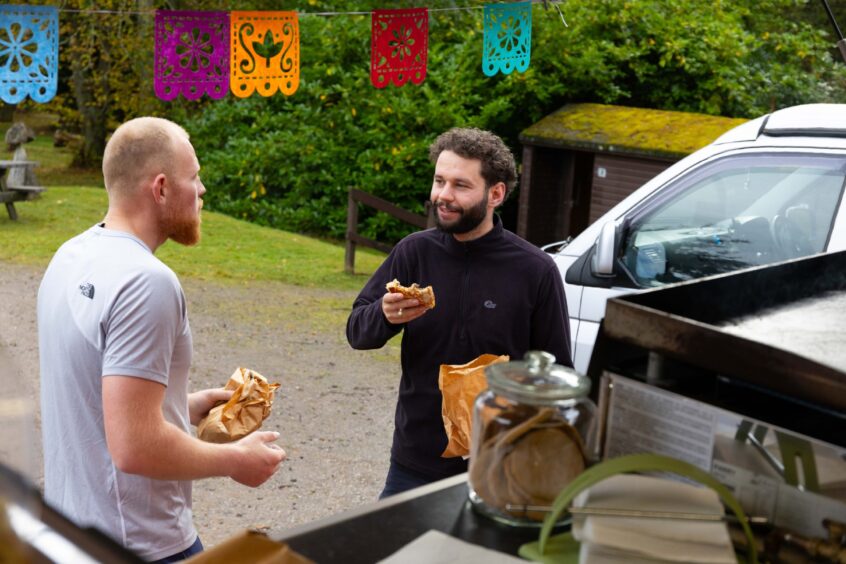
(814, 120)
(814, 126)
(797, 122)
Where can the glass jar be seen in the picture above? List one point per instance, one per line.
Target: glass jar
(533, 432)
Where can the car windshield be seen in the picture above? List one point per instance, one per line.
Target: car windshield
(734, 213)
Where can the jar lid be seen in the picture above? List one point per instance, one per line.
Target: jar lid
(537, 379)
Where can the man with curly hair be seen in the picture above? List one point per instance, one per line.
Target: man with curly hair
(496, 293)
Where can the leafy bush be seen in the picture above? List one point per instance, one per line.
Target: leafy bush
(287, 161)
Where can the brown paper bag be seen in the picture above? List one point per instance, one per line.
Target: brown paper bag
(460, 384)
(249, 546)
(249, 405)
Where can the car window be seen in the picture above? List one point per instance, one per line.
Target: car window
(734, 213)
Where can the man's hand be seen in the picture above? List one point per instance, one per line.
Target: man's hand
(200, 403)
(258, 458)
(399, 309)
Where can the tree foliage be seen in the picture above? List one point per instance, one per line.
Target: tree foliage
(288, 161)
(105, 67)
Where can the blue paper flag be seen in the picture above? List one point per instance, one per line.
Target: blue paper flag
(29, 53)
(508, 38)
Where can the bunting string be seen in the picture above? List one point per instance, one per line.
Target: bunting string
(212, 53)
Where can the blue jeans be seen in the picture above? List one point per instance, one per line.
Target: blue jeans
(401, 479)
(195, 548)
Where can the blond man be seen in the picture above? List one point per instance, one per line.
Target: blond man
(115, 348)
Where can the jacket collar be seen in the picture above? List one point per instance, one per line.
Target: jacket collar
(489, 240)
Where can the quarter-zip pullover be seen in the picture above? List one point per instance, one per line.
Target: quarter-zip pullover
(497, 294)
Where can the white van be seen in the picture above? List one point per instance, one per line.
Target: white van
(766, 191)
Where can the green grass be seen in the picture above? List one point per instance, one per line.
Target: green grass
(54, 165)
(53, 162)
(232, 251)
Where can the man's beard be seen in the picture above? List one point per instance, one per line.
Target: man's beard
(185, 231)
(470, 218)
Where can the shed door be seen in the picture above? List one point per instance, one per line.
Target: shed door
(615, 177)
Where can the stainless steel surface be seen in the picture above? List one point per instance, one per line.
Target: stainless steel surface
(780, 327)
(812, 327)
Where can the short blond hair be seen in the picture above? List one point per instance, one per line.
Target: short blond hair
(137, 149)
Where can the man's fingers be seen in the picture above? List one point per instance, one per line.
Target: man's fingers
(219, 394)
(268, 436)
(392, 298)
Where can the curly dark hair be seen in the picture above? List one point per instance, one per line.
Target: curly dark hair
(472, 143)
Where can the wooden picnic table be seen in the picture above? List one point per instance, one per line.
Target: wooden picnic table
(11, 193)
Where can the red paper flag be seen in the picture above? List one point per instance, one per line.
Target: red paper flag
(399, 46)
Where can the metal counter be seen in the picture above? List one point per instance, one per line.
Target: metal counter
(769, 342)
(375, 531)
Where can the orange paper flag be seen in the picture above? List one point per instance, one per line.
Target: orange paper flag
(264, 53)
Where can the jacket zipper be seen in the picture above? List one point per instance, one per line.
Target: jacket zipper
(464, 306)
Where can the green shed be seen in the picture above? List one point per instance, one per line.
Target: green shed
(583, 159)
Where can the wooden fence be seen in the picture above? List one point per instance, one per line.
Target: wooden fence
(354, 197)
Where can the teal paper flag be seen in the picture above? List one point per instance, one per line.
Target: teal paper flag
(508, 38)
(29, 53)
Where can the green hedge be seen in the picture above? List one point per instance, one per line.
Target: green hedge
(287, 161)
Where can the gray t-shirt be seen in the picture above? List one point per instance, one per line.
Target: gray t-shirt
(107, 307)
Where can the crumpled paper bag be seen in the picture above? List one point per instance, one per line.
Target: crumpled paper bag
(249, 546)
(460, 384)
(249, 405)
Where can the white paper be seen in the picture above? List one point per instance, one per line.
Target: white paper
(663, 539)
(435, 547)
(645, 419)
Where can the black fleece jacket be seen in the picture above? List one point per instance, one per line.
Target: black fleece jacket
(497, 294)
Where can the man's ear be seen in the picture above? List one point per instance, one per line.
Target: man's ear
(159, 189)
(496, 194)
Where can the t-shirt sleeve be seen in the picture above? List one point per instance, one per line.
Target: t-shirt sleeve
(141, 327)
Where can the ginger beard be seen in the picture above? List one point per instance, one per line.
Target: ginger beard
(182, 227)
(469, 218)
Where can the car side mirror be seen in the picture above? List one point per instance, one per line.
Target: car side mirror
(602, 262)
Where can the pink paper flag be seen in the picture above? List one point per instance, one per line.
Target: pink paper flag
(192, 54)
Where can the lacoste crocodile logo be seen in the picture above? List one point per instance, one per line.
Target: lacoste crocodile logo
(87, 290)
(489, 304)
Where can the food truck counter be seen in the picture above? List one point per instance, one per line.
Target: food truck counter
(375, 531)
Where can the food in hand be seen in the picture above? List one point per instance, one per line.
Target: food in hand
(426, 295)
(249, 406)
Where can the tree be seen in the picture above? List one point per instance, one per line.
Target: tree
(103, 49)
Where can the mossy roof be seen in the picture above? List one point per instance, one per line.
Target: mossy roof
(619, 129)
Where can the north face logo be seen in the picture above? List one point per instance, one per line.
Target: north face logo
(87, 290)
(489, 304)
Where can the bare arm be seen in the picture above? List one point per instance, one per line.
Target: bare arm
(141, 441)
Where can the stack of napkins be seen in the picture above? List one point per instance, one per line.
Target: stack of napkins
(637, 540)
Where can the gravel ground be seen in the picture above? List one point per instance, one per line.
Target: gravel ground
(334, 408)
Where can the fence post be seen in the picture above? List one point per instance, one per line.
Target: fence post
(431, 210)
(352, 230)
